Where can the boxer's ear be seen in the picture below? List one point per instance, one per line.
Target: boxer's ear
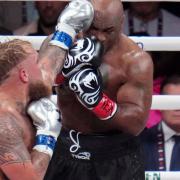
(23, 75)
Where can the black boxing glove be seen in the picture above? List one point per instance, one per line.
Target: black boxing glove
(87, 85)
(86, 51)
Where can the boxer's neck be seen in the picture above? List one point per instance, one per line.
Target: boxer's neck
(15, 95)
(12, 103)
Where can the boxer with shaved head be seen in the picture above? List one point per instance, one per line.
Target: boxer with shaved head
(104, 105)
(29, 120)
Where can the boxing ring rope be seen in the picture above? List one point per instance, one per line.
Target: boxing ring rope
(165, 102)
(139, 0)
(159, 102)
(146, 43)
(126, 0)
(150, 0)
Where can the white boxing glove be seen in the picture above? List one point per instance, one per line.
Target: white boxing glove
(45, 115)
(76, 17)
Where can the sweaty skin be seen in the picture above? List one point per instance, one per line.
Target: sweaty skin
(17, 137)
(18, 160)
(127, 75)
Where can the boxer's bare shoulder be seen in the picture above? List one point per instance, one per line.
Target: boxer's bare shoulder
(133, 50)
(126, 62)
(138, 63)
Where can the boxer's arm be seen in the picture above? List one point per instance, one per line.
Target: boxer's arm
(85, 52)
(15, 160)
(135, 96)
(45, 116)
(51, 60)
(40, 162)
(76, 17)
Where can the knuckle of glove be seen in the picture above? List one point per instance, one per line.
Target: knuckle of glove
(36, 114)
(84, 52)
(79, 14)
(87, 85)
(44, 114)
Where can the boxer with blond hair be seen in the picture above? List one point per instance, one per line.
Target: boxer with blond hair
(29, 128)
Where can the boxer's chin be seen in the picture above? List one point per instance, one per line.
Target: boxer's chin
(38, 90)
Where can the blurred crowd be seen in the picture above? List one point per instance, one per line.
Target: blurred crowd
(37, 18)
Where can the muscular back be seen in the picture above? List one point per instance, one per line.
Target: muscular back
(127, 74)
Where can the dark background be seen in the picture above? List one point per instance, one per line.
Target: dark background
(173, 7)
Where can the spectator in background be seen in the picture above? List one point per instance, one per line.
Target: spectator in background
(48, 12)
(4, 31)
(155, 115)
(11, 14)
(149, 19)
(161, 144)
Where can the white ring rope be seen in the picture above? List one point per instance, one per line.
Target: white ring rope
(147, 43)
(128, 0)
(36, 41)
(150, 0)
(159, 102)
(165, 102)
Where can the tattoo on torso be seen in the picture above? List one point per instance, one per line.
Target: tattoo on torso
(11, 141)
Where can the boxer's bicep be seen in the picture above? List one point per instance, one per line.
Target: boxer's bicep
(15, 160)
(134, 97)
(138, 89)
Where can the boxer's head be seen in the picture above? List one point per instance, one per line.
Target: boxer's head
(33, 76)
(108, 20)
(19, 69)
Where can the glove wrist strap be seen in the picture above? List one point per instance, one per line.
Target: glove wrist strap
(63, 36)
(47, 133)
(45, 143)
(105, 109)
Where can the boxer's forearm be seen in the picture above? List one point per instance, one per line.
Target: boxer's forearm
(51, 60)
(40, 162)
(45, 116)
(76, 17)
(51, 64)
(130, 118)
